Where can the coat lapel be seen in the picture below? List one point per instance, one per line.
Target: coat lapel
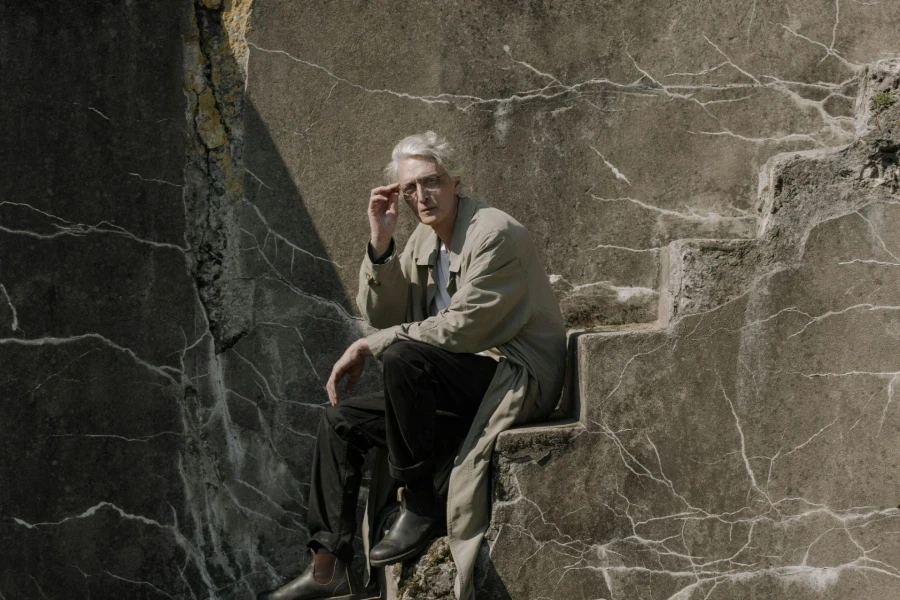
(427, 248)
(426, 255)
(465, 214)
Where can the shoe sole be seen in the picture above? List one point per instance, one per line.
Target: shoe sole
(416, 550)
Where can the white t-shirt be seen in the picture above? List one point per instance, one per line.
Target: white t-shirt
(441, 279)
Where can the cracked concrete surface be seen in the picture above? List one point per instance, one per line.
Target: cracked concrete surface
(215, 65)
(745, 449)
(625, 127)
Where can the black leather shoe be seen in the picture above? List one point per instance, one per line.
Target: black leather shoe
(420, 521)
(317, 582)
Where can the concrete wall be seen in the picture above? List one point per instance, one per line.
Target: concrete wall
(608, 128)
(161, 371)
(182, 217)
(746, 450)
(96, 301)
(613, 131)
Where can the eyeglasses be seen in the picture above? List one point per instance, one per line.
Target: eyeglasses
(430, 185)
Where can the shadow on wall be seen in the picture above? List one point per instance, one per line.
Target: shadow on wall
(259, 408)
(290, 249)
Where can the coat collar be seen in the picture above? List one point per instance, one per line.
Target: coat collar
(427, 248)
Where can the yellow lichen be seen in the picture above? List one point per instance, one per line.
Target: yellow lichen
(236, 18)
(209, 121)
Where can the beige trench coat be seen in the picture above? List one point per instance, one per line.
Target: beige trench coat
(502, 303)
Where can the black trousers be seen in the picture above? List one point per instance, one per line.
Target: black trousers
(430, 399)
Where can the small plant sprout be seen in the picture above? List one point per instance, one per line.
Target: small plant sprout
(883, 100)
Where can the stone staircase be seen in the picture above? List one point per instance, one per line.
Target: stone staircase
(745, 444)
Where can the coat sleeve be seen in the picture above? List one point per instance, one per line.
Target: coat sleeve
(489, 308)
(383, 289)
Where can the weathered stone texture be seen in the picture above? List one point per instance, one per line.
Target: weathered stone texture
(97, 302)
(214, 62)
(746, 450)
(608, 129)
(431, 576)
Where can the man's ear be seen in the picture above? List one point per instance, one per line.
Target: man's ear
(458, 186)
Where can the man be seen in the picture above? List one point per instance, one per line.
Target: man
(471, 341)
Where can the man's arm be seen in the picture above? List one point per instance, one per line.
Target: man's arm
(489, 309)
(383, 211)
(382, 295)
(383, 289)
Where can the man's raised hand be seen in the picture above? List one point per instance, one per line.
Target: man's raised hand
(384, 208)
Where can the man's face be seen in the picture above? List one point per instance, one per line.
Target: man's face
(429, 192)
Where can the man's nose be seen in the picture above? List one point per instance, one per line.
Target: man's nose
(421, 193)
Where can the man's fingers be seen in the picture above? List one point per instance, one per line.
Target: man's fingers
(382, 204)
(379, 203)
(331, 387)
(350, 365)
(386, 190)
(385, 194)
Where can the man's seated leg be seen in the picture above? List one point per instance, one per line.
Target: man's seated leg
(423, 385)
(346, 432)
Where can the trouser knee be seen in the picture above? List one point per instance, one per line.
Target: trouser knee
(402, 357)
(338, 429)
(332, 417)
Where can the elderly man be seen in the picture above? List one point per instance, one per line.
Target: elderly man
(471, 341)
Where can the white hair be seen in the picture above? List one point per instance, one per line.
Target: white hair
(428, 146)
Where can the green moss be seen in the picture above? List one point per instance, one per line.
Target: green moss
(883, 100)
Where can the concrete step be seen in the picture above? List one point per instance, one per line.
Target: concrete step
(744, 447)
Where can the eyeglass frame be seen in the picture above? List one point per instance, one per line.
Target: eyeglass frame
(425, 190)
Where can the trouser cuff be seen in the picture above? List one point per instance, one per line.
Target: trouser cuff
(420, 470)
(330, 542)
